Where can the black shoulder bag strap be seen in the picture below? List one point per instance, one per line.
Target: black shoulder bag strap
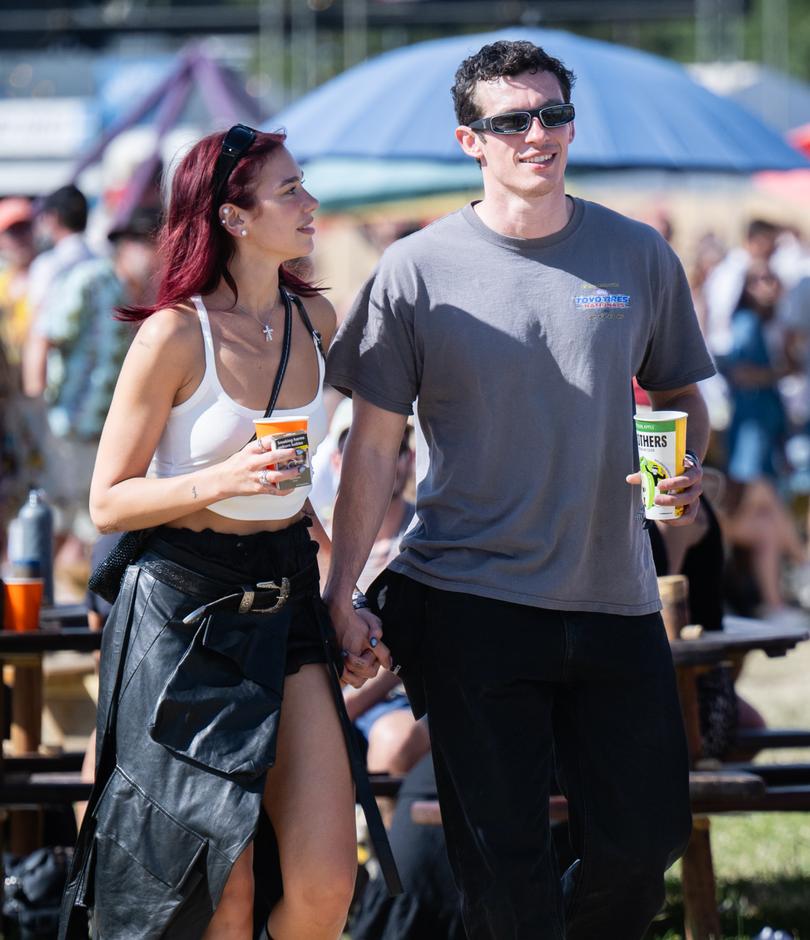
(365, 796)
(285, 357)
(306, 320)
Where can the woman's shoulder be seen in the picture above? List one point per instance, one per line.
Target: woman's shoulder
(169, 344)
(170, 328)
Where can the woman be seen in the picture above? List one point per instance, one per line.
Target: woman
(758, 421)
(754, 516)
(221, 612)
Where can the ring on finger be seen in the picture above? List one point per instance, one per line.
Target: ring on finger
(263, 478)
(262, 448)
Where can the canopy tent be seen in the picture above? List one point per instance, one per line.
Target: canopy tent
(634, 111)
(221, 91)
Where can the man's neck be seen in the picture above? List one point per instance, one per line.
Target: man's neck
(525, 218)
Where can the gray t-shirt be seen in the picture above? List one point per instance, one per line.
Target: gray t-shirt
(521, 354)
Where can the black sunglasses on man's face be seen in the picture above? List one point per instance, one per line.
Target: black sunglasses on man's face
(518, 122)
(235, 145)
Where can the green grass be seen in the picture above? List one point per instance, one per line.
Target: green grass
(761, 861)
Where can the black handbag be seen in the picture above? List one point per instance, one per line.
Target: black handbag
(106, 577)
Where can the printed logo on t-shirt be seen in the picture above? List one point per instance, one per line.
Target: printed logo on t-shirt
(602, 301)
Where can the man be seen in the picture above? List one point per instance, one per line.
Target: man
(724, 285)
(518, 324)
(86, 347)
(60, 224)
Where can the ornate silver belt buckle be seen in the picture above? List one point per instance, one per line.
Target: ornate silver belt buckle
(283, 594)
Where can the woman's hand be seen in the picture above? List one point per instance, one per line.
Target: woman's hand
(359, 636)
(257, 468)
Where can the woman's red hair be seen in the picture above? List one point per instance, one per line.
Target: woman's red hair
(195, 247)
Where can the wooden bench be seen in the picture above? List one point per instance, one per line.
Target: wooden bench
(707, 791)
(761, 739)
(34, 791)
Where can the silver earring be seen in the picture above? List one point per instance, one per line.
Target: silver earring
(224, 221)
(243, 232)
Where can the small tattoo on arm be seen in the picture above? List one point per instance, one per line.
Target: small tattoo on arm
(194, 492)
(144, 344)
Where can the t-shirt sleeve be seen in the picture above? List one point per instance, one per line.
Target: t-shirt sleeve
(676, 352)
(375, 352)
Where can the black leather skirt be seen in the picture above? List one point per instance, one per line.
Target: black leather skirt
(194, 657)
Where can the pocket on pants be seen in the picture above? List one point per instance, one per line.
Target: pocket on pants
(146, 863)
(220, 707)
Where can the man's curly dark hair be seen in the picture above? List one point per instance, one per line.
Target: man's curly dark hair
(497, 60)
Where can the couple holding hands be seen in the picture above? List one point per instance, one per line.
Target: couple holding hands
(225, 788)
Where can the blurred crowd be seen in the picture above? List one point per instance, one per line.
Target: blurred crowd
(753, 301)
(61, 350)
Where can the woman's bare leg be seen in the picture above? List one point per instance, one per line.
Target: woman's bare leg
(233, 918)
(310, 801)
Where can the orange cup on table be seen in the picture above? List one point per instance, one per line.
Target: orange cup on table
(288, 432)
(22, 599)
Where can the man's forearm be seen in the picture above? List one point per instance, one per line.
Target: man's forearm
(366, 484)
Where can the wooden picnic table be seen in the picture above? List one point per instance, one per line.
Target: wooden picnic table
(692, 657)
(63, 627)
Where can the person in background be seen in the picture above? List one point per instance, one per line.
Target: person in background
(754, 515)
(708, 254)
(20, 453)
(60, 226)
(86, 348)
(17, 252)
(727, 279)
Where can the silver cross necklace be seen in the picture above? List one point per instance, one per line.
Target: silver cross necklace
(263, 320)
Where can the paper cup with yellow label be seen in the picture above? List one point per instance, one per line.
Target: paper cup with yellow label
(661, 439)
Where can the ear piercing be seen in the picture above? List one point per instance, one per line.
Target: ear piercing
(243, 232)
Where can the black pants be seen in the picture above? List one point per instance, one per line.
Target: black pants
(515, 694)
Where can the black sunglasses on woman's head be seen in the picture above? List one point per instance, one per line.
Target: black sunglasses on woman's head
(235, 145)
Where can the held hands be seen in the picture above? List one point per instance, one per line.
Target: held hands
(359, 635)
(690, 486)
(246, 472)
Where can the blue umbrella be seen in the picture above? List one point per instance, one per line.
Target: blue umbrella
(634, 110)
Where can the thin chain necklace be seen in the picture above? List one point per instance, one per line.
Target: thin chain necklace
(263, 319)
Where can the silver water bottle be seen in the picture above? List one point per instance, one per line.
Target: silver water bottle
(35, 534)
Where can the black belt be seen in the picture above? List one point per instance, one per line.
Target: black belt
(263, 597)
(270, 597)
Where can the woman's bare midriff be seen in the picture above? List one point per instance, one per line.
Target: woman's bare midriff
(206, 519)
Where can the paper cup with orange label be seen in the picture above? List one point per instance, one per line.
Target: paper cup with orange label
(661, 439)
(286, 432)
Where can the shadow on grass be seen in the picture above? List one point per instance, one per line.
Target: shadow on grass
(745, 908)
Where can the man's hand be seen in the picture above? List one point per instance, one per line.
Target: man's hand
(359, 635)
(689, 485)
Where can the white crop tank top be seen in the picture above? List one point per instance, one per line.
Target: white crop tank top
(210, 426)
